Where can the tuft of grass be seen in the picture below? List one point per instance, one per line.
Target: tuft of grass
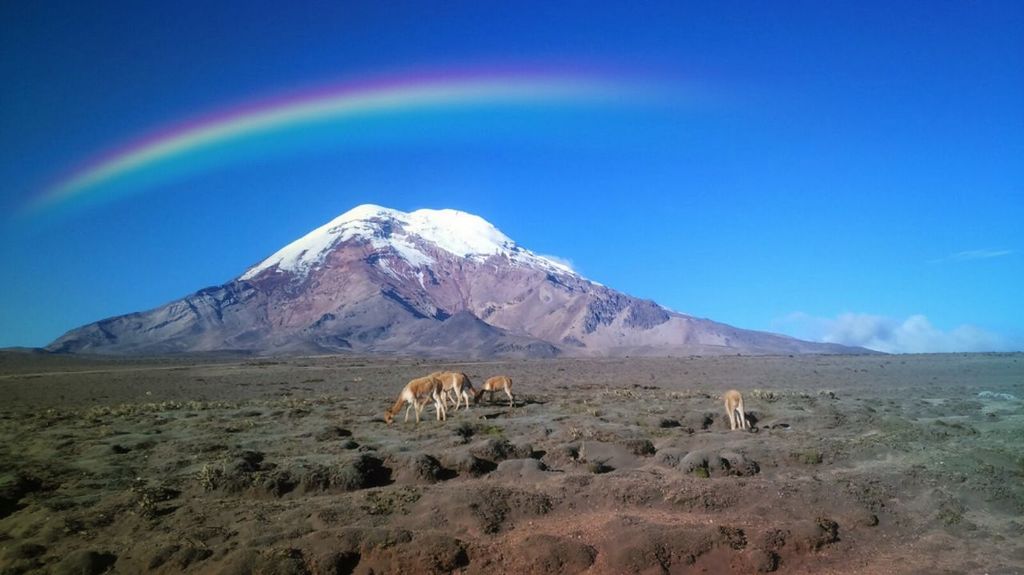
(465, 430)
(951, 513)
(388, 502)
(209, 477)
(147, 498)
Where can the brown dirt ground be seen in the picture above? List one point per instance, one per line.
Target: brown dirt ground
(877, 464)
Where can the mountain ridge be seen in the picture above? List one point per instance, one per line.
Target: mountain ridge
(429, 282)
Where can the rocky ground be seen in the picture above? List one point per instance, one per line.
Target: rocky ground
(871, 464)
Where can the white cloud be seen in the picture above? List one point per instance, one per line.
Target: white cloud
(971, 255)
(914, 334)
(562, 261)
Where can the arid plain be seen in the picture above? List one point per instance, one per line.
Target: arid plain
(856, 464)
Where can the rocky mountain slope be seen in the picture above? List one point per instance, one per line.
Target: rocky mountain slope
(429, 282)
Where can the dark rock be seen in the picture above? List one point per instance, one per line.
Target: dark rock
(645, 314)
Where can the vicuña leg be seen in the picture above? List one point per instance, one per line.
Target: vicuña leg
(439, 406)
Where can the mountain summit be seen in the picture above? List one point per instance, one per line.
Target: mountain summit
(428, 282)
(411, 236)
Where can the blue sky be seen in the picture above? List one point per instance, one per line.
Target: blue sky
(840, 171)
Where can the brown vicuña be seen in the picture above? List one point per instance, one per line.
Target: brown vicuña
(497, 383)
(457, 387)
(734, 410)
(417, 393)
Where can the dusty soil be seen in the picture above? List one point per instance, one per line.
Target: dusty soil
(879, 464)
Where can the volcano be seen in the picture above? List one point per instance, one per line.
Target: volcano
(428, 283)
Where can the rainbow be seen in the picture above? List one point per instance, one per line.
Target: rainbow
(323, 105)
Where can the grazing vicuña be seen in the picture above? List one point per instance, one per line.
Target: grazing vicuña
(416, 394)
(497, 383)
(457, 387)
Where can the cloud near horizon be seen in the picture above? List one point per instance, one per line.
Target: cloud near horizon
(914, 334)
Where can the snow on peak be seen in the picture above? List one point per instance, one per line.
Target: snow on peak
(459, 233)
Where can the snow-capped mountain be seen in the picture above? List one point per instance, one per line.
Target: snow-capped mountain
(410, 235)
(428, 282)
